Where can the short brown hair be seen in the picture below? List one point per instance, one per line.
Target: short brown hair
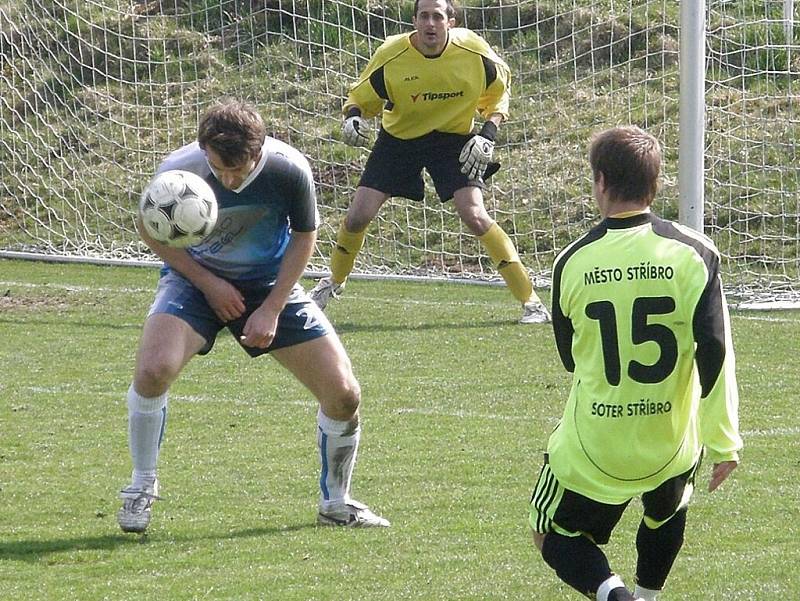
(233, 129)
(630, 160)
(451, 8)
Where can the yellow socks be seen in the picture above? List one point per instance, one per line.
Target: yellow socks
(344, 254)
(497, 243)
(503, 254)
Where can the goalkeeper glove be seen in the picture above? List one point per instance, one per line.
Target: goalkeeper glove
(355, 131)
(477, 152)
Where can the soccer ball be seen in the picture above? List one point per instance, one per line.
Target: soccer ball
(178, 208)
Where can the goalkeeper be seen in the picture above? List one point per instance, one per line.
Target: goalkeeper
(640, 320)
(427, 86)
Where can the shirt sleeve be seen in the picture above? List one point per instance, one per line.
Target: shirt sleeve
(562, 325)
(369, 92)
(495, 98)
(719, 402)
(303, 214)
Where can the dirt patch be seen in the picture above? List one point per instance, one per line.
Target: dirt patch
(10, 300)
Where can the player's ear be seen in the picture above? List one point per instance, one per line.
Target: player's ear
(600, 180)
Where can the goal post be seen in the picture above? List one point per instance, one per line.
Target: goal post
(692, 129)
(94, 94)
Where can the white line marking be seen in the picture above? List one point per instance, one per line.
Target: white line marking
(371, 299)
(71, 288)
(762, 318)
(769, 432)
(461, 414)
(430, 411)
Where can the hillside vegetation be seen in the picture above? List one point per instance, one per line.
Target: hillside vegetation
(93, 97)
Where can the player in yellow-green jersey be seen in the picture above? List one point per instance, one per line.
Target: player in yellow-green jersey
(640, 320)
(427, 86)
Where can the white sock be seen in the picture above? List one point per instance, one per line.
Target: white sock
(609, 585)
(146, 420)
(645, 594)
(338, 446)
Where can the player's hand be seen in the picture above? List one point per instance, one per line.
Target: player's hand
(475, 156)
(355, 131)
(720, 472)
(259, 331)
(225, 299)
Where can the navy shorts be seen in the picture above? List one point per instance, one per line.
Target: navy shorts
(300, 321)
(395, 166)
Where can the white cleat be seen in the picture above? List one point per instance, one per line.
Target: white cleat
(324, 291)
(351, 515)
(134, 515)
(535, 312)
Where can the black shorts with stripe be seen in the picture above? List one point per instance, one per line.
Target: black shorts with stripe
(558, 509)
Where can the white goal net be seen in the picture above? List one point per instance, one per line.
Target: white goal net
(93, 94)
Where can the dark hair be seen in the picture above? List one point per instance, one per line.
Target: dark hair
(233, 129)
(451, 8)
(630, 160)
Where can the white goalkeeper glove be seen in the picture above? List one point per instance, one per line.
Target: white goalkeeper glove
(355, 131)
(475, 156)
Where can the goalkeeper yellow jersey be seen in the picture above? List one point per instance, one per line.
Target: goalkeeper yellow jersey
(640, 319)
(417, 94)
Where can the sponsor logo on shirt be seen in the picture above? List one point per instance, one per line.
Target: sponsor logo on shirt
(644, 407)
(431, 96)
(643, 271)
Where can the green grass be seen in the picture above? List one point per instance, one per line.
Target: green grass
(458, 403)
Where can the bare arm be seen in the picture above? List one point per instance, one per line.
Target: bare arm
(496, 118)
(720, 472)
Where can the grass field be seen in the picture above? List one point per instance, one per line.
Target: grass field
(458, 403)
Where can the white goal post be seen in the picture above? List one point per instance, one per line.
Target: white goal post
(93, 94)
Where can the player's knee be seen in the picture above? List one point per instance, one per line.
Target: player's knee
(350, 397)
(478, 222)
(155, 375)
(356, 222)
(344, 399)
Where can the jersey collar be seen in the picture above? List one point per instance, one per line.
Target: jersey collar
(628, 219)
(255, 172)
(413, 47)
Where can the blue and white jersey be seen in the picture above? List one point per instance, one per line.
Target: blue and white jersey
(254, 221)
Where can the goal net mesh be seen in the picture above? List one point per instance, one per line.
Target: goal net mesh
(94, 93)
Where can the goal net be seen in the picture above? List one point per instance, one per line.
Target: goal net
(94, 94)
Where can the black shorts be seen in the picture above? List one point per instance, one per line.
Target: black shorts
(558, 509)
(395, 166)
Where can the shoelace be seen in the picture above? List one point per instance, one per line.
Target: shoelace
(141, 502)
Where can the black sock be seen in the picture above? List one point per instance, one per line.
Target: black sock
(577, 561)
(620, 594)
(657, 550)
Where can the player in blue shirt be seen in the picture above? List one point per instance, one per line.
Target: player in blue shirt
(244, 276)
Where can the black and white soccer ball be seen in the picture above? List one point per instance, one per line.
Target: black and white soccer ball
(178, 208)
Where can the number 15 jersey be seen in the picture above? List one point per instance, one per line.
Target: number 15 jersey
(640, 319)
